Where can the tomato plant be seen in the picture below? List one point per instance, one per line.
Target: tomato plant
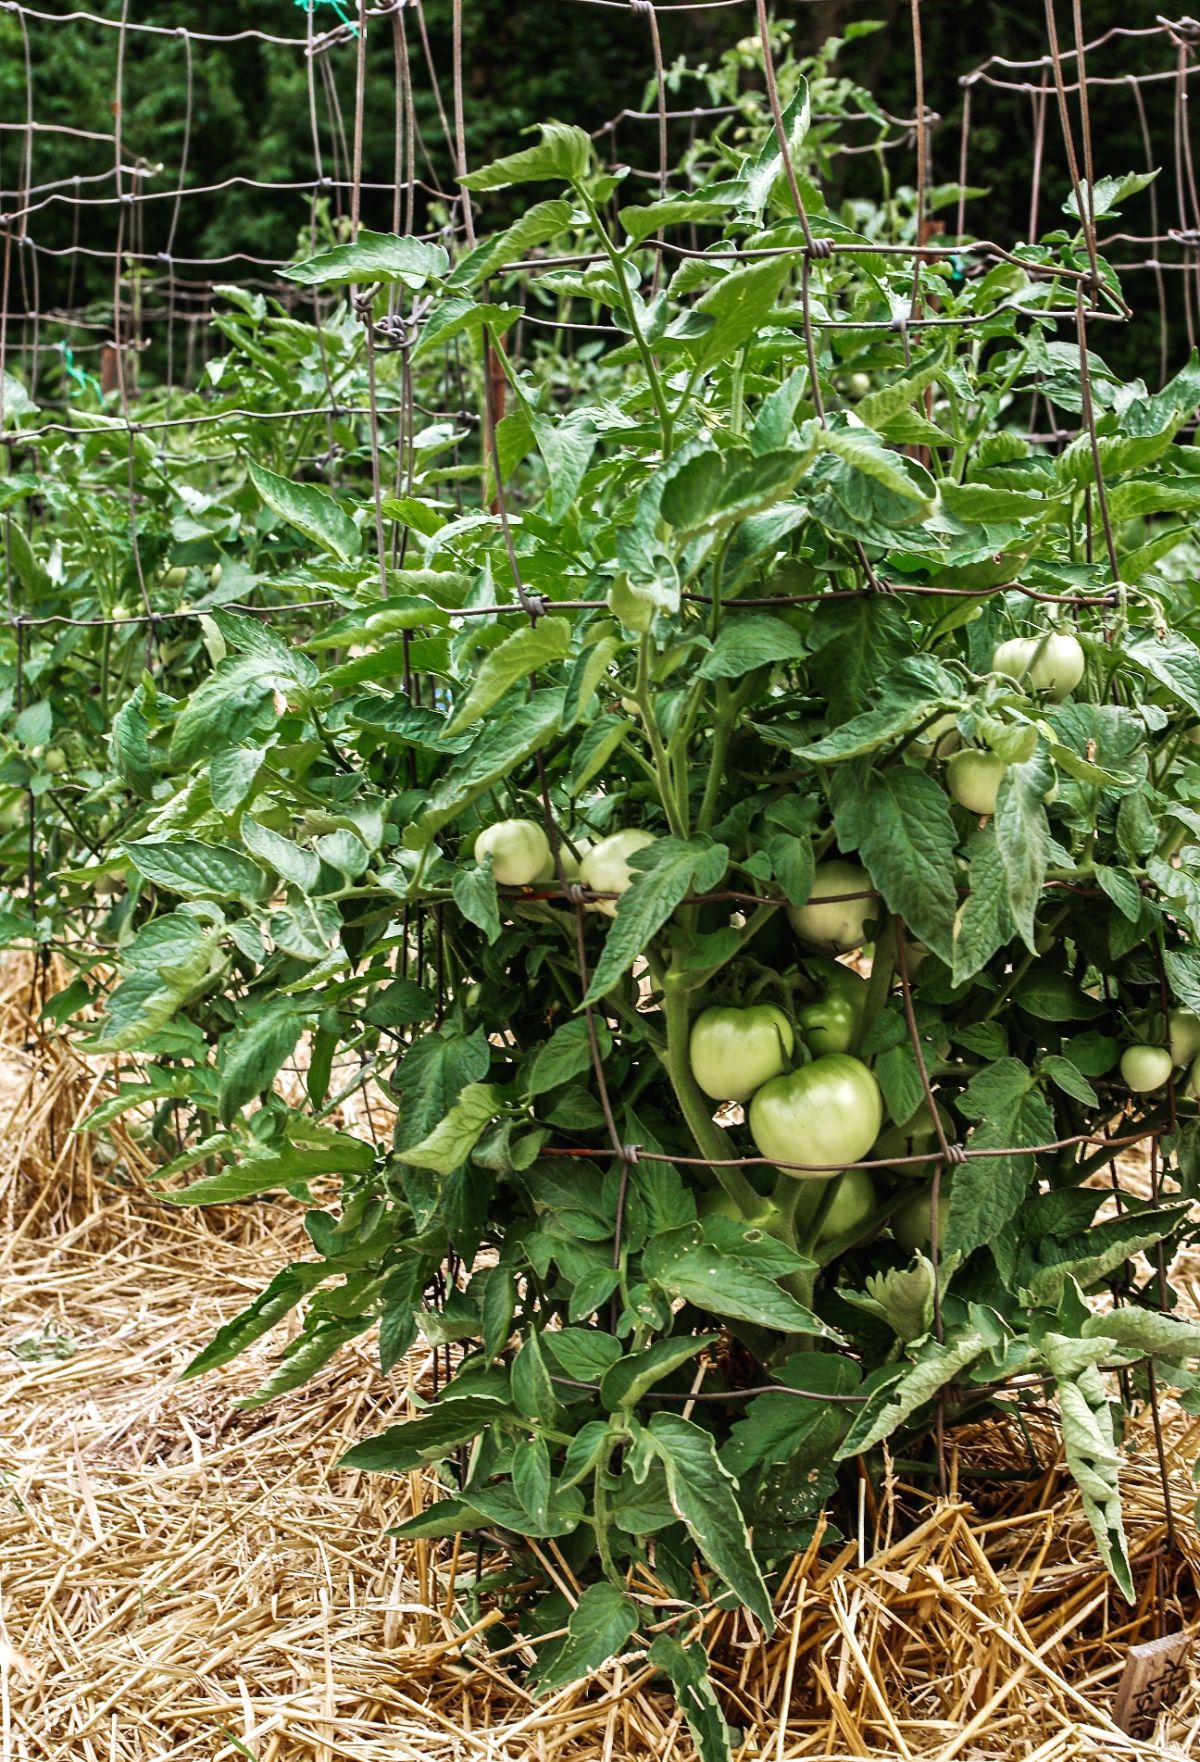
(546, 826)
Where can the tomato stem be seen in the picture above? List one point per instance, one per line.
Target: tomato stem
(711, 1139)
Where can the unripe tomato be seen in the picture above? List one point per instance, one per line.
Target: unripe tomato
(823, 1116)
(1183, 1035)
(917, 1136)
(605, 867)
(831, 1023)
(120, 613)
(840, 925)
(214, 575)
(941, 738)
(859, 384)
(733, 1052)
(518, 849)
(54, 760)
(1053, 663)
(175, 576)
(717, 1203)
(910, 1225)
(1146, 1067)
(973, 779)
(852, 1206)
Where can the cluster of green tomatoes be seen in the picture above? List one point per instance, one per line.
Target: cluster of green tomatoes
(813, 1108)
(815, 1120)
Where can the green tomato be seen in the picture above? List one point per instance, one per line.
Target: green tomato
(518, 849)
(973, 779)
(916, 1136)
(840, 925)
(910, 1225)
(1146, 1067)
(717, 1203)
(54, 760)
(1052, 663)
(859, 384)
(853, 1205)
(831, 1023)
(605, 867)
(941, 738)
(120, 613)
(733, 1052)
(175, 576)
(823, 1116)
(1183, 1035)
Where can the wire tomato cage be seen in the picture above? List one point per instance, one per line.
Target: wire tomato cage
(343, 53)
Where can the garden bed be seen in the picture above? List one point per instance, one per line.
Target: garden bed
(184, 1579)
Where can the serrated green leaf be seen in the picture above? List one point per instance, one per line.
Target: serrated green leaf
(277, 1168)
(195, 870)
(453, 1138)
(561, 156)
(312, 512)
(702, 1493)
(418, 1441)
(665, 873)
(374, 256)
(601, 1623)
(517, 657)
(567, 1054)
(908, 843)
(626, 1381)
(252, 1057)
(290, 861)
(687, 1668)
(890, 1404)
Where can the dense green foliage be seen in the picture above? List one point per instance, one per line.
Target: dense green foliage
(761, 621)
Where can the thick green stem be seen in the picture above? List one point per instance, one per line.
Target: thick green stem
(630, 310)
(600, 1505)
(711, 1140)
(645, 704)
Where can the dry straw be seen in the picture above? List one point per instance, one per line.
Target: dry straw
(181, 1579)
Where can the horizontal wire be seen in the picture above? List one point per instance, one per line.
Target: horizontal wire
(322, 39)
(637, 1154)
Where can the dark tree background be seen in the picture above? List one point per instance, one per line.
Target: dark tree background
(525, 60)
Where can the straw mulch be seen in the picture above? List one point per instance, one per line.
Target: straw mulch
(180, 1579)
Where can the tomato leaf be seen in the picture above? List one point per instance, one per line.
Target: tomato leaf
(666, 871)
(988, 1190)
(702, 1495)
(601, 1623)
(454, 1137)
(313, 513)
(252, 1057)
(907, 840)
(1023, 840)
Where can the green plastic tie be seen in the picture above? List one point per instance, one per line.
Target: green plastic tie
(308, 5)
(76, 374)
